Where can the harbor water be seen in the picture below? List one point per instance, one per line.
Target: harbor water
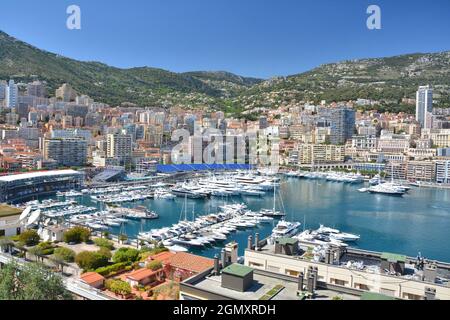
(417, 222)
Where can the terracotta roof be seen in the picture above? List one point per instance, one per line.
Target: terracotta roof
(190, 262)
(141, 274)
(163, 257)
(91, 277)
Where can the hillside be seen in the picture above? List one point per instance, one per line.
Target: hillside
(386, 80)
(143, 86)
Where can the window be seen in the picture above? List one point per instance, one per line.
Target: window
(2, 233)
(338, 282)
(411, 296)
(256, 265)
(18, 231)
(292, 273)
(361, 286)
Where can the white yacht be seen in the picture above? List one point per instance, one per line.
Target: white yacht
(285, 229)
(387, 190)
(338, 235)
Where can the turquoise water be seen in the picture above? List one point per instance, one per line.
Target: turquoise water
(420, 221)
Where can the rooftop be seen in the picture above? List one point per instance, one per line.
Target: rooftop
(190, 262)
(285, 241)
(262, 285)
(141, 274)
(8, 211)
(375, 296)
(91, 277)
(40, 174)
(393, 257)
(237, 270)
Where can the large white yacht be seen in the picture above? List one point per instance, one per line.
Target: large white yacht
(285, 229)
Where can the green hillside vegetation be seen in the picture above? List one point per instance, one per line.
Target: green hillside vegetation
(387, 80)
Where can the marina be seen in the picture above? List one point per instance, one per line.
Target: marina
(311, 202)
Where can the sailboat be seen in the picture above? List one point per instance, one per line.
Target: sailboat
(273, 213)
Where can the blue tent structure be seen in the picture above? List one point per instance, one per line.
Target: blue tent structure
(178, 168)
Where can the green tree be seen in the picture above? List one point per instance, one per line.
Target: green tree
(154, 265)
(126, 255)
(88, 260)
(31, 282)
(104, 243)
(118, 287)
(77, 235)
(29, 238)
(65, 254)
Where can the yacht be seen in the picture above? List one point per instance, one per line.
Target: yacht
(272, 213)
(285, 229)
(191, 194)
(376, 180)
(387, 190)
(136, 214)
(162, 194)
(177, 248)
(338, 235)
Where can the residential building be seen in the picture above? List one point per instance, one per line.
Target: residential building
(11, 95)
(421, 171)
(320, 153)
(424, 106)
(119, 146)
(66, 152)
(443, 172)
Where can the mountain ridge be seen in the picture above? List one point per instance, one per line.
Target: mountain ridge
(383, 79)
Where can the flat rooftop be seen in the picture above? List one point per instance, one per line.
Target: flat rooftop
(40, 174)
(262, 284)
(8, 211)
(362, 260)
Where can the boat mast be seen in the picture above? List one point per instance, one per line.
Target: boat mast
(274, 196)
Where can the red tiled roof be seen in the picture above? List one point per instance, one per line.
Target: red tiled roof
(91, 277)
(141, 274)
(162, 257)
(190, 262)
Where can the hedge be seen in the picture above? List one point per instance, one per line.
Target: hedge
(113, 269)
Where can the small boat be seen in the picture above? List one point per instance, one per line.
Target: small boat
(177, 248)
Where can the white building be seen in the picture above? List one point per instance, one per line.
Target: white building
(11, 95)
(424, 106)
(119, 146)
(443, 172)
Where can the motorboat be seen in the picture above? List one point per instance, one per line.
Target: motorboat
(285, 229)
(177, 248)
(387, 190)
(337, 234)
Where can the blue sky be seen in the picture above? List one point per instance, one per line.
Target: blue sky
(260, 38)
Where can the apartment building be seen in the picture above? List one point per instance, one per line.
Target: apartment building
(320, 153)
(66, 151)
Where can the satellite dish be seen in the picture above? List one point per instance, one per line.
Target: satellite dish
(25, 214)
(34, 217)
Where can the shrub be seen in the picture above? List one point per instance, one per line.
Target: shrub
(112, 269)
(29, 238)
(46, 248)
(126, 255)
(91, 260)
(104, 243)
(118, 287)
(65, 254)
(77, 235)
(154, 265)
